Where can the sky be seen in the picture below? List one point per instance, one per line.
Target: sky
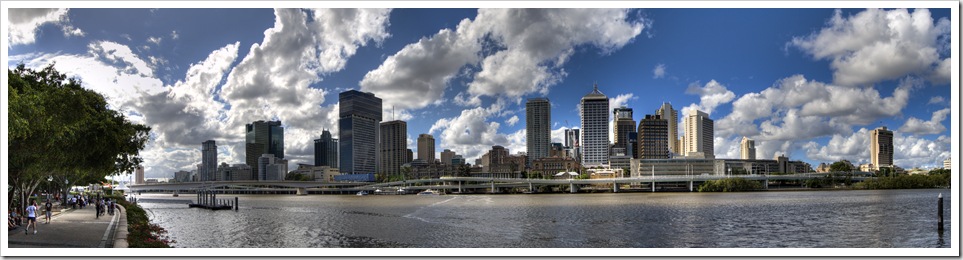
(807, 83)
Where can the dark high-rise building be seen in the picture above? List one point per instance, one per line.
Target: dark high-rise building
(359, 116)
(653, 138)
(326, 150)
(209, 161)
(624, 124)
(538, 128)
(263, 137)
(394, 146)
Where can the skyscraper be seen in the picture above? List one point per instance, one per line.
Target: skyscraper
(359, 116)
(139, 175)
(538, 128)
(209, 160)
(446, 156)
(624, 124)
(672, 116)
(572, 143)
(698, 134)
(326, 150)
(747, 149)
(881, 147)
(394, 146)
(263, 137)
(653, 140)
(426, 148)
(595, 128)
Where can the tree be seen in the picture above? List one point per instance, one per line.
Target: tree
(59, 129)
(840, 166)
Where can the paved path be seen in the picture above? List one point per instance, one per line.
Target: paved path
(70, 228)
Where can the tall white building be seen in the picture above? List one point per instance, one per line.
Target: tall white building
(747, 149)
(698, 134)
(209, 160)
(595, 128)
(538, 128)
(672, 116)
(948, 164)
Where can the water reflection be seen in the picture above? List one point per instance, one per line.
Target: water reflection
(901, 218)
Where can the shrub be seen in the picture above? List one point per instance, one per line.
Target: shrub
(142, 233)
(730, 185)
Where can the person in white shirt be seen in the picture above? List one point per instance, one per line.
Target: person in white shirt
(31, 218)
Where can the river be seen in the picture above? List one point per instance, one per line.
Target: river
(795, 219)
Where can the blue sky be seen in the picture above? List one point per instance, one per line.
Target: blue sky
(808, 83)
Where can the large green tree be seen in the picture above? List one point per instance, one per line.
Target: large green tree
(59, 130)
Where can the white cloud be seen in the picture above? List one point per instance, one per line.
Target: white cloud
(910, 151)
(876, 45)
(836, 108)
(659, 71)
(518, 51)
(25, 22)
(154, 40)
(512, 121)
(275, 78)
(920, 127)
(711, 96)
(936, 100)
(174, 35)
(108, 68)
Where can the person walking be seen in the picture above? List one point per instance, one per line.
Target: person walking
(49, 210)
(31, 218)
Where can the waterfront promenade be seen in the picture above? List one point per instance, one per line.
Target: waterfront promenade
(72, 228)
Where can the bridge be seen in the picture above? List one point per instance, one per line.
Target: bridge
(460, 184)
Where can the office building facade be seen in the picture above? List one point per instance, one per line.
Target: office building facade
(359, 118)
(538, 128)
(394, 146)
(326, 150)
(263, 137)
(672, 117)
(747, 149)
(595, 128)
(881, 147)
(653, 138)
(426, 148)
(699, 134)
(209, 160)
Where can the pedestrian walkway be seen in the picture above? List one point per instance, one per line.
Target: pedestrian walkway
(70, 228)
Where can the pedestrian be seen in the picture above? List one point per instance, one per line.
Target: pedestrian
(49, 207)
(31, 218)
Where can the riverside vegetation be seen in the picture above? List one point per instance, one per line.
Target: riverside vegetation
(142, 233)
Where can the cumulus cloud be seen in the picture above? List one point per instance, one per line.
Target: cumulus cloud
(25, 22)
(910, 151)
(275, 78)
(517, 52)
(920, 127)
(876, 45)
(711, 96)
(108, 68)
(174, 35)
(936, 100)
(512, 121)
(659, 71)
(835, 108)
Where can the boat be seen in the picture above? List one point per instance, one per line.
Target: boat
(430, 192)
(362, 193)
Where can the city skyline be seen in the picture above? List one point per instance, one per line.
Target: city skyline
(781, 85)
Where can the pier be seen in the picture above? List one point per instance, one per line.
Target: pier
(207, 199)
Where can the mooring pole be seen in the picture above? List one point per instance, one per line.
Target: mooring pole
(939, 212)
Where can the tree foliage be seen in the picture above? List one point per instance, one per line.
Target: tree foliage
(730, 185)
(840, 166)
(916, 181)
(59, 129)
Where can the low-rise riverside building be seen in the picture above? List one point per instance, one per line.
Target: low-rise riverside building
(234, 172)
(549, 166)
(318, 173)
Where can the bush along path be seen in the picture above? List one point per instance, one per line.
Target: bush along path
(140, 232)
